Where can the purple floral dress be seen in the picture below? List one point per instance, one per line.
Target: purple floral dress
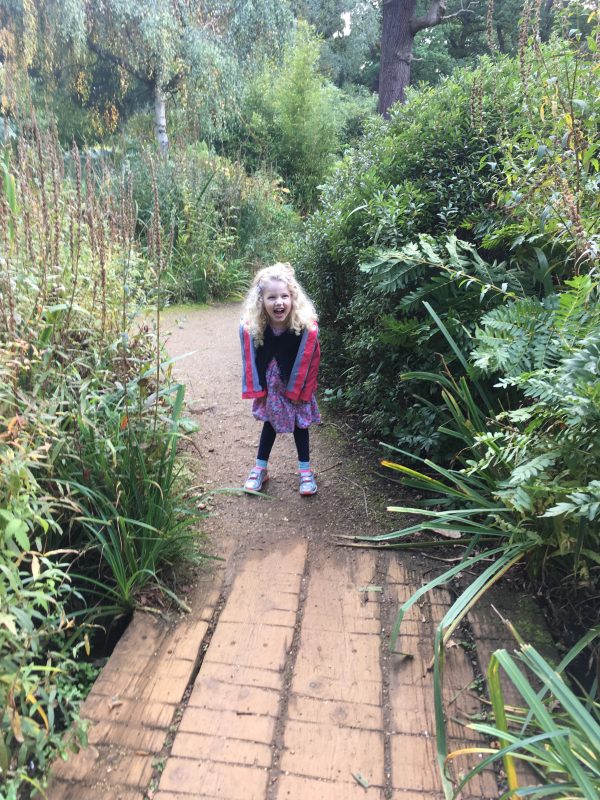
(283, 414)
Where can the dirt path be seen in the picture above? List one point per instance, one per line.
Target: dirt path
(280, 684)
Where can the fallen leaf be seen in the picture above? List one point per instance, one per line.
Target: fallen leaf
(359, 778)
(447, 534)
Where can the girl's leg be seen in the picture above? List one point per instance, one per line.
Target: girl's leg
(265, 445)
(258, 474)
(308, 484)
(302, 440)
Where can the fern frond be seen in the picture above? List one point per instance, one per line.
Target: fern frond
(532, 468)
(584, 503)
(516, 498)
(392, 269)
(518, 337)
(458, 260)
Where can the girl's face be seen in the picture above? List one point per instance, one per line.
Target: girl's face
(277, 302)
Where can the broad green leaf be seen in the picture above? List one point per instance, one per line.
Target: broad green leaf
(17, 530)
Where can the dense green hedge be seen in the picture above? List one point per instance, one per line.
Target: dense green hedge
(446, 165)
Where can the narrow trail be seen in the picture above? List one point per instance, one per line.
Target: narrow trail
(280, 684)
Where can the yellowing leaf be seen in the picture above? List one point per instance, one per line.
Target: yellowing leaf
(15, 724)
(37, 707)
(447, 534)
(42, 714)
(4, 755)
(9, 623)
(35, 566)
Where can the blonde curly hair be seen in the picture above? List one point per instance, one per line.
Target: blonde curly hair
(302, 315)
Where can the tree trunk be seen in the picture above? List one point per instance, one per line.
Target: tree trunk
(160, 120)
(399, 28)
(396, 52)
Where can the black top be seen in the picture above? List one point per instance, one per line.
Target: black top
(283, 348)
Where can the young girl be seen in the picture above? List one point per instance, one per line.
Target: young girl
(280, 361)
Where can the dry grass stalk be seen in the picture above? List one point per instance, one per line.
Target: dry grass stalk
(63, 242)
(489, 27)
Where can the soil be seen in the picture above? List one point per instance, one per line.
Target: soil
(346, 502)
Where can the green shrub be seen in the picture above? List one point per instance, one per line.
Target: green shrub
(38, 720)
(134, 519)
(418, 174)
(472, 159)
(37, 638)
(357, 106)
(295, 117)
(528, 473)
(219, 222)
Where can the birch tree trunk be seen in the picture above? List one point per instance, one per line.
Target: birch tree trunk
(160, 120)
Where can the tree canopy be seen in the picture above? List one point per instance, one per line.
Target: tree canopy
(152, 47)
(117, 57)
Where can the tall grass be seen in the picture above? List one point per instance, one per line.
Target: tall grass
(93, 510)
(135, 518)
(556, 731)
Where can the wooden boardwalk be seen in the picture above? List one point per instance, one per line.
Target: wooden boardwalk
(287, 690)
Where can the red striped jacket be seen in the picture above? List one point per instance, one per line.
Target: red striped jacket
(302, 383)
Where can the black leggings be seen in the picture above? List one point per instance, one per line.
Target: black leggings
(267, 440)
